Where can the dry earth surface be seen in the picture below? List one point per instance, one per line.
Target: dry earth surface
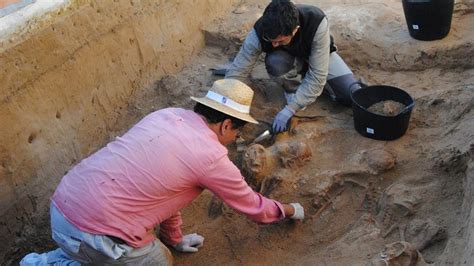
(359, 194)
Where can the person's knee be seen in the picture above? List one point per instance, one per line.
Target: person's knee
(157, 254)
(337, 66)
(279, 63)
(161, 255)
(167, 254)
(342, 87)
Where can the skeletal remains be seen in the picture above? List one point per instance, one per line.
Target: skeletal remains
(398, 254)
(260, 162)
(390, 208)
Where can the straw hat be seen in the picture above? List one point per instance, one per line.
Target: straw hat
(229, 96)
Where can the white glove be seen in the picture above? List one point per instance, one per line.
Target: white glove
(190, 243)
(299, 211)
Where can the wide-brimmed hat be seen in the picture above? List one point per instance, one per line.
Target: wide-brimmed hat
(229, 96)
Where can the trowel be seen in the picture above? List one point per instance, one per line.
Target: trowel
(264, 136)
(220, 70)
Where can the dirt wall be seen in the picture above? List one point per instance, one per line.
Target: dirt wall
(66, 80)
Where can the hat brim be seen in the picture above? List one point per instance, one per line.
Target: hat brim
(225, 109)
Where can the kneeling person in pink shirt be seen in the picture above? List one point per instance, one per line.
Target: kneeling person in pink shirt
(106, 208)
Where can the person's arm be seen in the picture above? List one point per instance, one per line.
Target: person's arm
(170, 234)
(170, 230)
(246, 58)
(226, 182)
(313, 83)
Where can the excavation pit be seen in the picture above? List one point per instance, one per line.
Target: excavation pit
(78, 77)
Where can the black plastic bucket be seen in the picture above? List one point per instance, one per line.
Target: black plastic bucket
(428, 19)
(377, 126)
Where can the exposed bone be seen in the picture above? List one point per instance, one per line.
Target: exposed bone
(358, 171)
(292, 153)
(369, 162)
(396, 204)
(398, 253)
(378, 160)
(373, 161)
(389, 230)
(398, 200)
(401, 231)
(268, 184)
(260, 162)
(329, 201)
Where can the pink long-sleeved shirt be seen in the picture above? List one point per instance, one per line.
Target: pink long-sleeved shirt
(146, 176)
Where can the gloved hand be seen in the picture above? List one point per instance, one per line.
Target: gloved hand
(280, 122)
(190, 243)
(299, 211)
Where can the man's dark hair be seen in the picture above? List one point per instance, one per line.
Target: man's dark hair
(213, 116)
(279, 18)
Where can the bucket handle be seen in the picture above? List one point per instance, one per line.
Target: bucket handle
(407, 108)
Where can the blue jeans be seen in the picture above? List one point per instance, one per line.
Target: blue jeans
(78, 248)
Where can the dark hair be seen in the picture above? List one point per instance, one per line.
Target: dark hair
(213, 116)
(279, 18)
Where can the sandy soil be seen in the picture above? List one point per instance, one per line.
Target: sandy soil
(359, 194)
(353, 208)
